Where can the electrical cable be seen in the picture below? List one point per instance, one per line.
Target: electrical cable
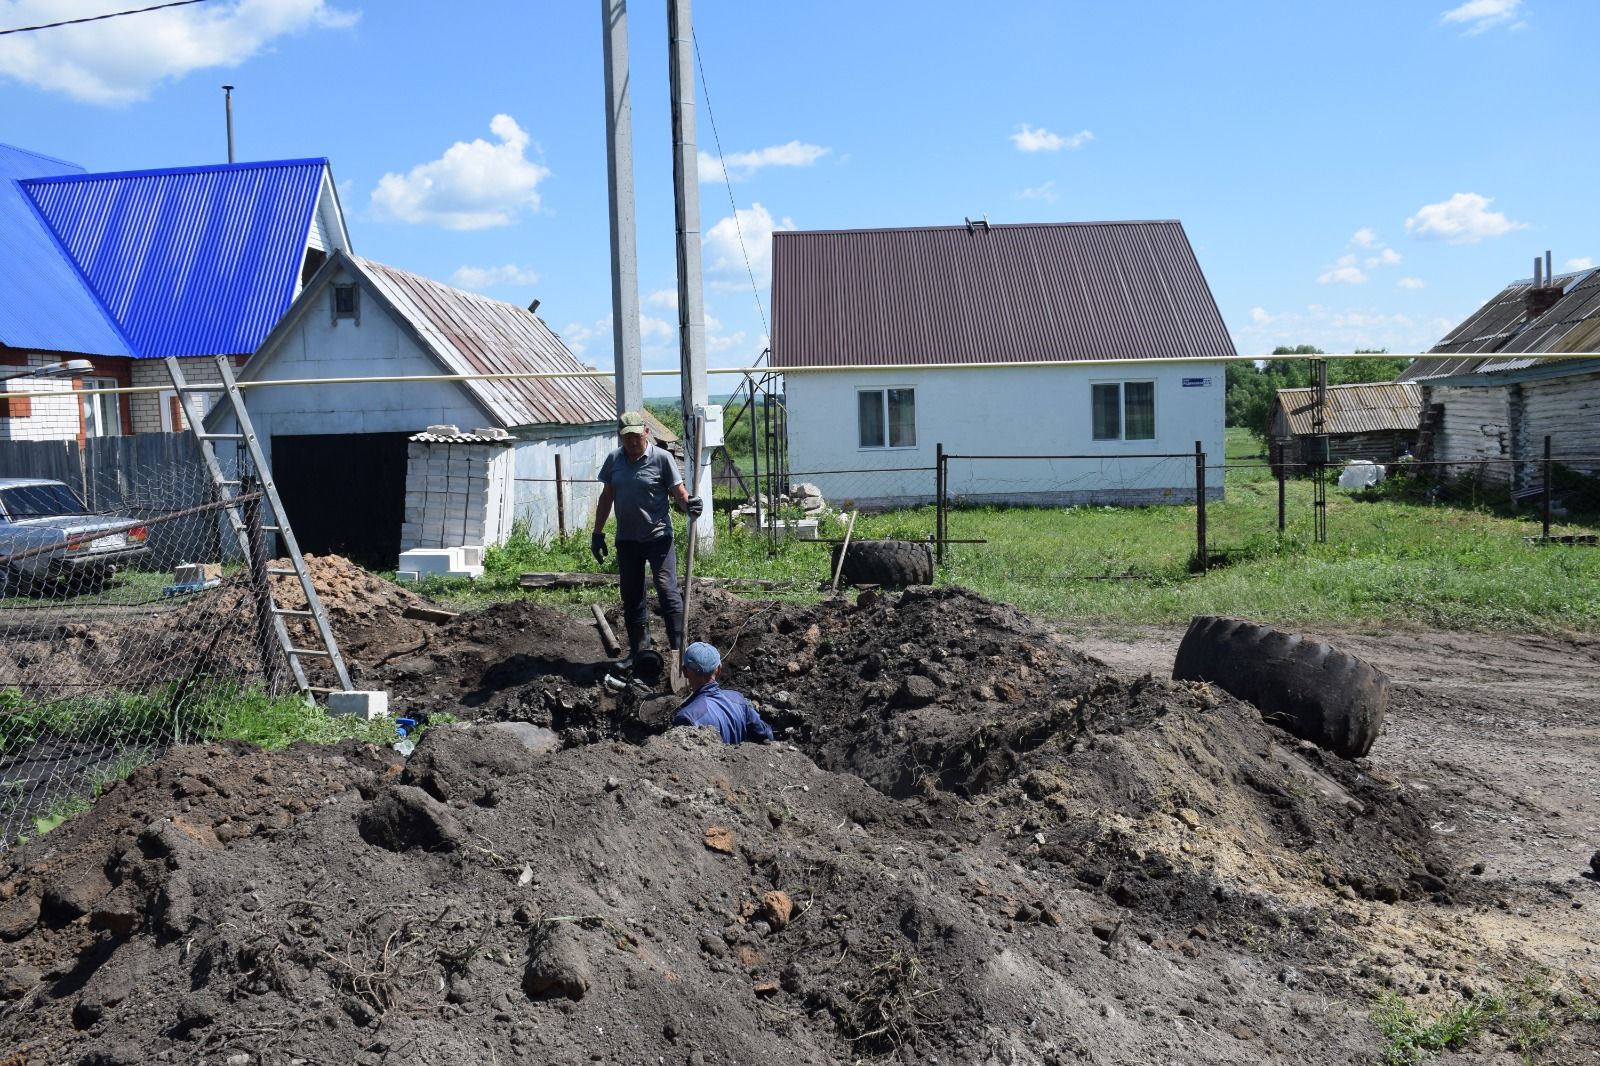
(737, 229)
(99, 18)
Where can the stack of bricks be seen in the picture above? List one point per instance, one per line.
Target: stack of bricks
(448, 488)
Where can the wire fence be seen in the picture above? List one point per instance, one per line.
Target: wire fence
(127, 623)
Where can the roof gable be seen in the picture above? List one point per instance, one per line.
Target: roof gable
(1059, 292)
(1368, 407)
(1504, 325)
(187, 261)
(467, 333)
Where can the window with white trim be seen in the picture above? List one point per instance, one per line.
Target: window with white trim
(886, 418)
(1124, 410)
(102, 415)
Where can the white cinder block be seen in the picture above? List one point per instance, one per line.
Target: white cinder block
(364, 705)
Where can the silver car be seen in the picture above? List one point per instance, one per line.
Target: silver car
(47, 538)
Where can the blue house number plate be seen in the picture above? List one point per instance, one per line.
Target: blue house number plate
(1197, 383)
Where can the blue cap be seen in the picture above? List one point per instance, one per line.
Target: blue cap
(701, 657)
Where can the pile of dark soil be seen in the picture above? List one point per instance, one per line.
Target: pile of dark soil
(974, 844)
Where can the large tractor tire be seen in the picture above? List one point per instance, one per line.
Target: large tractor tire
(892, 563)
(1306, 687)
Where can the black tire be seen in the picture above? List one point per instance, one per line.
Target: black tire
(892, 563)
(1306, 687)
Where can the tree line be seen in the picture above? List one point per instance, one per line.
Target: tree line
(1252, 387)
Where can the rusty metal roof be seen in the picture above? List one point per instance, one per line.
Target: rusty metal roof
(1503, 325)
(1047, 292)
(474, 334)
(1374, 407)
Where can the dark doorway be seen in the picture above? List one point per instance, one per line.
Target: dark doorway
(345, 493)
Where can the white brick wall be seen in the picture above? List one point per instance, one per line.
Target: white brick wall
(50, 419)
(454, 494)
(147, 405)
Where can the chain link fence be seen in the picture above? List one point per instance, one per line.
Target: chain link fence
(127, 624)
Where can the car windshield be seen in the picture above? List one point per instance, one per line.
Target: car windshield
(39, 501)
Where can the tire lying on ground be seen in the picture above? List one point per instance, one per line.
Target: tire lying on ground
(1306, 687)
(895, 563)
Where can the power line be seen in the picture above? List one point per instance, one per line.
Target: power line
(98, 18)
(737, 229)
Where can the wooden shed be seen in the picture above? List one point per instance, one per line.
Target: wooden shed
(1377, 421)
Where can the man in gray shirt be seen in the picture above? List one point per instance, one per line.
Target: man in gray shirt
(640, 480)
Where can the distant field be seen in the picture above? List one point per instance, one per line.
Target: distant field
(1386, 562)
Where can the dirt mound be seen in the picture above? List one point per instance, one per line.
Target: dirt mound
(975, 844)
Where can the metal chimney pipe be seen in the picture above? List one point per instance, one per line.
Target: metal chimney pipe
(1549, 269)
(1538, 265)
(227, 97)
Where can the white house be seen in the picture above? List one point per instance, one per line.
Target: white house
(1494, 391)
(1092, 339)
(358, 467)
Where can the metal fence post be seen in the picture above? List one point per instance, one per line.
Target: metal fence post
(260, 587)
(938, 502)
(1547, 472)
(561, 502)
(1283, 477)
(1200, 504)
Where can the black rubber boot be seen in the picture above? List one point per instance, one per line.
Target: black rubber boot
(638, 641)
(674, 631)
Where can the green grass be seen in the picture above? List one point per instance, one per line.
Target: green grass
(1388, 561)
(1411, 1039)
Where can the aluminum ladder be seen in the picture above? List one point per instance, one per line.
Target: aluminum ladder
(228, 488)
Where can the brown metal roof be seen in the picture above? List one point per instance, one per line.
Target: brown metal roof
(1374, 407)
(1057, 292)
(473, 334)
(1503, 325)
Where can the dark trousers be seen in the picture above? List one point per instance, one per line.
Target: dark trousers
(663, 560)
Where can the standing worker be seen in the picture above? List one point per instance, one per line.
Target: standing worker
(639, 480)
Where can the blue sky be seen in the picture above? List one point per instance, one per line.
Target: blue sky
(1352, 174)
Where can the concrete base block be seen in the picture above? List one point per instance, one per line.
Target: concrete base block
(404, 576)
(364, 705)
(441, 562)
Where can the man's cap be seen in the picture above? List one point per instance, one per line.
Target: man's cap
(631, 422)
(701, 657)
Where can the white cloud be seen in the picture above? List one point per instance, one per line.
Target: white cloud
(1387, 257)
(1339, 330)
(651, 326)
(1343, 272)
(479, 279)
(578, 336)
(1045, 192)
(663, 298)
(474, 185)
(1028, 139)
(1410, 283)
(1583, 262)
(1260, 316)
(1480, 15)
(741, 165)
(1363, 238)
(1465, 218)
(722, 242)
(120, 61)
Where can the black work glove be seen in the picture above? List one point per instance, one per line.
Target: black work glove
(597, 546)
(695, 507)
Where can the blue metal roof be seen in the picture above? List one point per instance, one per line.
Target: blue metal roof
(191, 260)
(47, 305)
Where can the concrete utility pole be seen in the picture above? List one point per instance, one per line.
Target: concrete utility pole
(686, 203)
(227, 103)
(619, 183)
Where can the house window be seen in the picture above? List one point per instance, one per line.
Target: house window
(887, 418)
(1124, 410)
(347, 302)
(102, 414)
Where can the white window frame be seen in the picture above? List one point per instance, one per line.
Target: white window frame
(1122, 411)
(89, 395)
(883, 392)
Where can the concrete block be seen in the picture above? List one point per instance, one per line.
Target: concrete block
(366, 705)
(195, 573)
(472, 555)
(403, 577)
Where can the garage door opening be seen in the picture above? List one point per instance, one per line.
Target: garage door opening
(345, 493)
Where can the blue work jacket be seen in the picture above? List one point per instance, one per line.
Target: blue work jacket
(728, 713)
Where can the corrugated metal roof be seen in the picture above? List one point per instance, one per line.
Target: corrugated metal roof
(474, 334)
(47, 304)
(192, 260)
(454, 435)
(1373, 407)
(1503, 324)
(991, 294)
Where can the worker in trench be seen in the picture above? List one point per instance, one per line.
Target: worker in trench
(640, 481)
(713, 707)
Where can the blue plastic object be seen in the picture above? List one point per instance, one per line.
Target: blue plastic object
(405, 726)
